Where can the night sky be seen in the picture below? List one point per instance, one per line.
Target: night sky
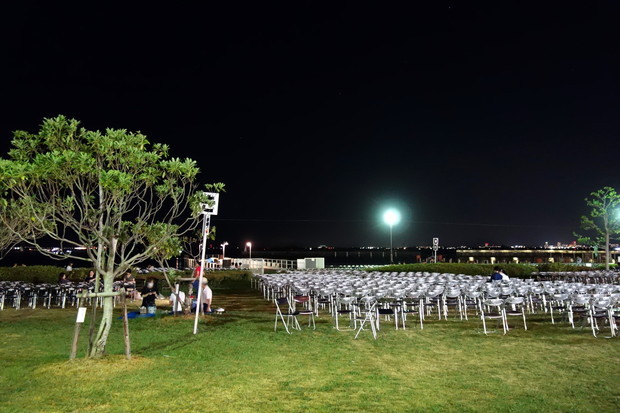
(482, 122)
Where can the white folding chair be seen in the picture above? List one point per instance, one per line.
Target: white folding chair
(493, 309)
(368, 318)
(288, 318)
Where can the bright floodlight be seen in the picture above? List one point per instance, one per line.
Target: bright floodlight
(391, 217)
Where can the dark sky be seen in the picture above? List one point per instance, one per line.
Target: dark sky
(483, 122)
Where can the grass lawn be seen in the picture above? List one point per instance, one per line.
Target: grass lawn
(238, 364)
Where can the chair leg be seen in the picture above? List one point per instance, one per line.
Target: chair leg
(359, 330)
(421, 314)
(374, 331)
(370, 321)
(275, 327)
(551, 312)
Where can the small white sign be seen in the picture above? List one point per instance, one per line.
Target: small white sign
(435, 242)
(81, 315)
(212, 206)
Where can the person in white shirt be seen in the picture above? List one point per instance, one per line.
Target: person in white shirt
(174, 303)
(207, 296)
(504, 275)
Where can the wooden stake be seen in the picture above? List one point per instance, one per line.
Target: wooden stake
(91, 331)
(76, 334)
(126, 328)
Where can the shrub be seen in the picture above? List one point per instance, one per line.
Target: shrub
(560, 266)
(40, 274)
(37, 274)
(513, 270)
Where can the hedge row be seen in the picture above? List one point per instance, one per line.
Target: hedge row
(513, 270)
(37, 274)
(40, 274)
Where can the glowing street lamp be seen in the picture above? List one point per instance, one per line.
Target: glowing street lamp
(249, 245)
(224, 249)
(391, 217)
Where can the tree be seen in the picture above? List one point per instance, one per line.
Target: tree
(603, 221)
(112, 192)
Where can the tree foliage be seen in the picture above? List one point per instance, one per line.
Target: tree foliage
(603, 222)
(13, 227)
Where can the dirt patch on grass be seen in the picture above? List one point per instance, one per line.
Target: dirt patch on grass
(107, 366)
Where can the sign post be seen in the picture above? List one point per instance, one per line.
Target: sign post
(76, 334)
(209, 208)
(435, 248)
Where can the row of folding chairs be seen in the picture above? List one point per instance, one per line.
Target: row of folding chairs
(588, 277)
(400, 295)
(17, 294)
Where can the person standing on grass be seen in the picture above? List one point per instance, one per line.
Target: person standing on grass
(149, 294)
(195, 286)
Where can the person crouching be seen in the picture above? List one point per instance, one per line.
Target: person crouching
(207, 296)
(149, 294)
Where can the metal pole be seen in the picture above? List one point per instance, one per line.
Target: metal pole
(205, 227)
(391, 250)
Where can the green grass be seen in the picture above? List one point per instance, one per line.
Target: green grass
(238, 364)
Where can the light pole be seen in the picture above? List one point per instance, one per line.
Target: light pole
(209, 207)
(391, 217)
(205, 233)
(249, 245)
(224, 249)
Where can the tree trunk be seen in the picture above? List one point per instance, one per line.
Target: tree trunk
(607, 252)
(101, 340)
